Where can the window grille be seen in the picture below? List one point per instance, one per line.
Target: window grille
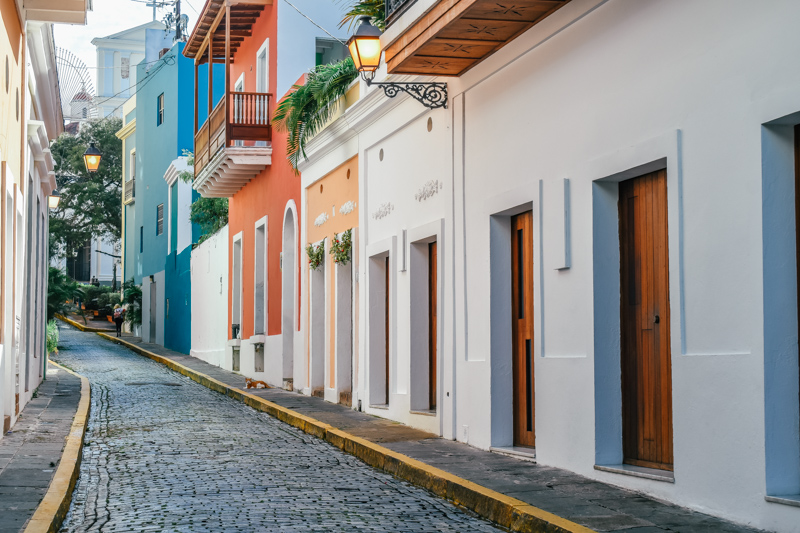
(160, 107)
(160, 219)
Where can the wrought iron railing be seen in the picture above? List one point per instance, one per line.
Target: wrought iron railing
(130, 190)
(394, 8)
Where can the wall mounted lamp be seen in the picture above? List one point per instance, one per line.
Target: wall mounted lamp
(53, 199)
(365, 49)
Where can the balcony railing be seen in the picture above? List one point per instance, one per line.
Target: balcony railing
(130, 191)
(248, 120)
(395, 7)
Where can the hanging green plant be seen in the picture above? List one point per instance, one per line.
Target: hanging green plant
(316, 254)
(341, 246)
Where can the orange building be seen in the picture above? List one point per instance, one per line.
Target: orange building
(265, 46)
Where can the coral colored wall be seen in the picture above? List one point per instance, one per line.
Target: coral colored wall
(327, 196)
(267, 194)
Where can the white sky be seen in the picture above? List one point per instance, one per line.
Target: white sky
(109, 17)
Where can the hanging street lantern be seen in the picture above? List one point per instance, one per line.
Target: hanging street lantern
(53, 199)
(365, 49)
(92, 157)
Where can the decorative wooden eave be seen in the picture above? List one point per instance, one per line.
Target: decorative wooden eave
(211, 28)
(456, 35)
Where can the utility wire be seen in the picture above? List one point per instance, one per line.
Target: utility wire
(314, 23)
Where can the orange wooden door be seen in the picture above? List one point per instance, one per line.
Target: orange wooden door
(432, 340)
(646, 364)
(522, 328)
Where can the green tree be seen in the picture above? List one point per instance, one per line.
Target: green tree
(211, 214)
(309, 107)
(90, 202)
(60, 289)
(132, 298)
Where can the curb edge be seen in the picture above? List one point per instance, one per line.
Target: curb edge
(79, 326)
(506, 511)
(52, 510)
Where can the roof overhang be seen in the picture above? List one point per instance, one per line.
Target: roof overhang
(176, 168)
(58, 11)
(454, 36)
(210, 28)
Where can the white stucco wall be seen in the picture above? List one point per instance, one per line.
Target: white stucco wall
(210, 299)
(599, 92)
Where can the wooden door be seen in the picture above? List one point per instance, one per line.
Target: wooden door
(646, 365)
(432, 340)
(522, 328)
(386, 331)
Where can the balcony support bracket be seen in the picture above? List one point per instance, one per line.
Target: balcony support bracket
(432, 95)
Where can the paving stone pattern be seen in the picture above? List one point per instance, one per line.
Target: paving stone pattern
(31, 451)
(163, 453)
(596, 505)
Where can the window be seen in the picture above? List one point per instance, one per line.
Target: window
(173, 218)
(160, 219)
(262, 68)
(160, 108)
(132, 173)
(125, 68)
(260, 325)
(141, 239)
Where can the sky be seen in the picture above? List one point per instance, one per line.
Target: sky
(109, 17)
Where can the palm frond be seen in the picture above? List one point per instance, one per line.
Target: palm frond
(370, 8)
(306, 110)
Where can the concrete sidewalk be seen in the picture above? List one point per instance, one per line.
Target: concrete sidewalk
(30, 453)
(592, 504)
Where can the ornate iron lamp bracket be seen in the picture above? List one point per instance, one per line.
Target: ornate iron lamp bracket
(432, 95)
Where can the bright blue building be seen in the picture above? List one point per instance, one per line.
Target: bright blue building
(157, 232)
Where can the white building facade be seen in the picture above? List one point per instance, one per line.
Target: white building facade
(619, 173)
(25, 184)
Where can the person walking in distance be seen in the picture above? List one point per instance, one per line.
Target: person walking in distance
(119, 318)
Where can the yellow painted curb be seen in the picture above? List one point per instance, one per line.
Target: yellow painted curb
(55, 504)
(506, 511)
(79, 325)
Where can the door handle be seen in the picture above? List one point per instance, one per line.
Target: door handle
(656, 319)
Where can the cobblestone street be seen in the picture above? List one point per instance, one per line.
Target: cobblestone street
(164, 453)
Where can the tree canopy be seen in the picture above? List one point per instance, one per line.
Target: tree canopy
(90, 204)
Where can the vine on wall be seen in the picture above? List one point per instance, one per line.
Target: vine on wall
(341, 246)
(316, 254)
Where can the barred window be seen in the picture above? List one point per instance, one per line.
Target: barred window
(160, 219)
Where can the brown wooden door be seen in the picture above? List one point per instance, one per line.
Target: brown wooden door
(386, 331)
(522, 328)
(432, 341)
(646, 365)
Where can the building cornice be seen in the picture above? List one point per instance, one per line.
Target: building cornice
(127, 130)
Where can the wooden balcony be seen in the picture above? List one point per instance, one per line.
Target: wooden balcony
(455, 35)
(234, 144)
(230, 152)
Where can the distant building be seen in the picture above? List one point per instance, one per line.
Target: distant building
(117, 57)
(157, 233)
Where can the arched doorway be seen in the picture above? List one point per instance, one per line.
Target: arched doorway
(289, 294)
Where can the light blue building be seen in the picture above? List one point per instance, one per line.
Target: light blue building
(157, 232)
